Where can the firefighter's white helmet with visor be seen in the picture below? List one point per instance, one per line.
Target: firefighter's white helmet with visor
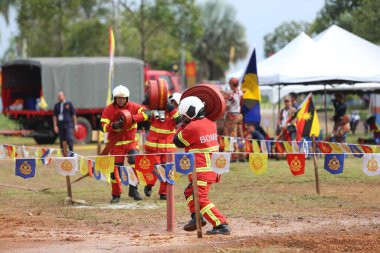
(191, 107)
(120, 91)
(176, 97)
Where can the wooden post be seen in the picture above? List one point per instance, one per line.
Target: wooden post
(99, 143)
(315, 164)
(170, 200)
(196, 204)
(68, 183)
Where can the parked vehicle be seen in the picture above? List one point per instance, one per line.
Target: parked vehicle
(83, 80)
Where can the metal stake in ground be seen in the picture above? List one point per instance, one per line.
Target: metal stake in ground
(315, 164)
(68, 183)
(196, 204)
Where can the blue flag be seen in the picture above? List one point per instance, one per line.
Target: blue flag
(25, 168)
(96, 173)
(334, 163)
(169, 173)
(251, 92)
(123, 175)
(184, 162)
(356, 151)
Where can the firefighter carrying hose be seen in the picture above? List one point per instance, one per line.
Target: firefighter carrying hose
(160, 138)
(198, 135)
(127, 143)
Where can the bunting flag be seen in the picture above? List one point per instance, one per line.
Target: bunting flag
(263, 145)
(324, 147)
(232, 142)
(170, 173)
(307, 119)
(227, 144)
(124, 175)
(255, 146)
(346, 149)
(356, 151)
(91, 167)
(220, 162)
(43, 154)
(144, 163)
(66, 166)
(371, 164)
(19, 152)
(25, 152)
(375, 148)
(83, 166)
(59, 153)
(367, 149)
(334, 163)
(258, 163)
(97, 174)
(251, 92)
(105, 164)
(11, 151)
(240, 143)
(2, 152)
(279, 147)
(295, 147)
(25, 168)
(336, 149)
(141, 178)
(288, 147)
(159, 171)
(296, 163)
(184, 162)
(132, 177)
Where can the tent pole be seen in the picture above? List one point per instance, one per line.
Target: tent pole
(279, 99)
(326, 131)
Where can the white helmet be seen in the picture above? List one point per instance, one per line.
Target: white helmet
(120, 91)
(190, 107)
(175, 97)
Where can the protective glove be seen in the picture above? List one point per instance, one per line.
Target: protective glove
(170, 107)
(118, 124)
(148, 113)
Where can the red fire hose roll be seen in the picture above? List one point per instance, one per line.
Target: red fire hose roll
(215, 105)
(158, 94)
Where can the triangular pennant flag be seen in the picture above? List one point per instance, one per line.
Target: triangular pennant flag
(25, 168)
(255, 146)
(83, 166)
(132, 177)
(279, 147)
(59, 153)
(43, 155)
(336, 149)
(240, 143)
(371, 165)
(91, 167)
(288, 147)
(296, 163)
(159, 171)
(97, 174)
(19, 152)
(367, 149)
(346, 149)
(66, 166)
(170, 173)
(221, 142)
(220, 162)
(258, 163)
(2, 151)
(375, 149)
(324, 147)
(144, 163)
(356, 151)
(25, 152)
(105, 177)
(295, 147)
(104, 164)
(124, 175)
(232, 144)
(11, 151)
(227, 144)
(184, 162)
(263, 145)
(334, 163)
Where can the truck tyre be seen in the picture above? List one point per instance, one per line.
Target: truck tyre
(45, 140)
(84, 132)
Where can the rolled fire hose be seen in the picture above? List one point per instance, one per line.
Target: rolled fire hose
(158, 94)
(215, 104)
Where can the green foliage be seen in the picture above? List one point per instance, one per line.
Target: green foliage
(366, 20)
(282, 35)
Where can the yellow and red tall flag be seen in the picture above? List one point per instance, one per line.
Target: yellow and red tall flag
(111, 42)
(307, 119)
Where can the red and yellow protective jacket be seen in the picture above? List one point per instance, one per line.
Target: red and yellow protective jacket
(109, 116)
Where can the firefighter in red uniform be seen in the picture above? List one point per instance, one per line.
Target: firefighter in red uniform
(198, 135)
(160, 140)
(127, 143)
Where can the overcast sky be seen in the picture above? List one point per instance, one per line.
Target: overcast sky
(259, 17)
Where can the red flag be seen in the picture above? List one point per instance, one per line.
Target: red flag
(296, 163)
(150, 178)
(307, 119)
(144, 163)
(324, 147)
(367, 149)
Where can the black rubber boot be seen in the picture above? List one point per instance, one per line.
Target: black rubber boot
(162, 196)
(115, 199)
(134, 193)
(148, 190)
(222, 229)
(192, 225)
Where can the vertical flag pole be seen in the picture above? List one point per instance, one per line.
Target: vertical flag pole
(196, 204)
(68, 183)
(326, 131)
(315, 164)
(169, 200)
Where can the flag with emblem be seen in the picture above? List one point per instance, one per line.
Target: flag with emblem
(132, 177)
(184, 162)
(124, 175)
(371, 164)
(220, 162)
(104, 164)
(159, 171)
(150, 178)
(66, 166)
(170, 173)
(144, 163)
(258, 163)
(355, 150)
(324, 147)
(97, 174)
(25, 168)
(307, 119)
(367, 149)
(296, 163)
(251, 92)
(334, 163)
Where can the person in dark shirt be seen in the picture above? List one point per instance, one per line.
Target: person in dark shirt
(340, 109)
(65, 121)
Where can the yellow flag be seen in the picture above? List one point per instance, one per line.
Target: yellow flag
(255, 146)
(141, 178)
(336, 149)
(83, 166)
(104, 164)
(288, 147)
(258, 163)
(226, 144)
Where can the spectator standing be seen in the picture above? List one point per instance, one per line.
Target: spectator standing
(340, 109)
